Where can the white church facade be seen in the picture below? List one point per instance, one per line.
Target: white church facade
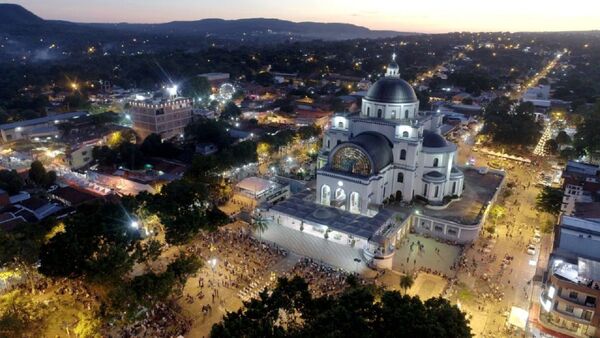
(389, 151)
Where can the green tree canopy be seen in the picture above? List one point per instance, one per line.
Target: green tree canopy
(550, 200)
(509, 124)
(98, 242)
(10, 181)
(291, 311)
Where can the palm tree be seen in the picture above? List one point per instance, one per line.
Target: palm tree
(406, 282)
(260, 225)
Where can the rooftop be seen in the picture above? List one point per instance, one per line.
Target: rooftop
(41, 120)
(479, 191)
(302, 206)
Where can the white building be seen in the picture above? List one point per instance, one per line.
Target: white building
(388, 151)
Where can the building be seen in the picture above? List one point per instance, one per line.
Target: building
(389, 151)
(570, 301)
(263, 191)
(166, 117)
(36, 129)
(581, 186)
(215, 79)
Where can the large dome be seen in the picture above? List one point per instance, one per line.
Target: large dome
(392, 90)
(364, 155)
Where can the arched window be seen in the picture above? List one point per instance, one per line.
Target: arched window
(404, 134)
(393, 114)
(453, 188)
(325, 195)
(425, 190)
(437, 191)
(403, 154)
(435, 162)
(379, 113)
(400, 178)
(341, 124)
(406, 114)
(328, 144)
(368, 111)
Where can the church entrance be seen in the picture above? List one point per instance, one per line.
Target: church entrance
(398, 195)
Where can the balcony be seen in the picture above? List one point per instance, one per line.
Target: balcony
(571, 316)
(589, 302)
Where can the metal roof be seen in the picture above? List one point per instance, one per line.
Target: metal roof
(41, 120)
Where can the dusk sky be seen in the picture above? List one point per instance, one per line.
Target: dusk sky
(419, 15)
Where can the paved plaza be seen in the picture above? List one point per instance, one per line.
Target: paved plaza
(320, 249)
(434, 255)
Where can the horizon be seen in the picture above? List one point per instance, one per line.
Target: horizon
(375, 15)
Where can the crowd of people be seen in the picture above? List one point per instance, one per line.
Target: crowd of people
(161, 321)
(322, 280)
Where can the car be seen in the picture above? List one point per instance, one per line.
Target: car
(536, 238)
(531, 249)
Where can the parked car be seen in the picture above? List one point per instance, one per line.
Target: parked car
(531, 249)
(537, 237)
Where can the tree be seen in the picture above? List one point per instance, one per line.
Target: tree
(20, 316)
(182, 207)
(153, 145)
(88, 325)
(497, 212)
(406, 282)
(230, 111)
(98, 242)
(260, 225)
(562, 138)
(196, 87)
(550, 200)
(37, 173)
(291, 311)
(10, 181)
(508, 124)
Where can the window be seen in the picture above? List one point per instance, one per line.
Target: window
(405, 134)
(351, 160)
(569, 308)
(425, 190)
(403, 154)
(338, 142)
(328, 144)
(400, 178)
(393, 114)
(573, 294)
(341, 124)
(452, 231)
(435, 162)
(587, 315)
(379, 113)
(437, 191)
(439, 228)
(406, 114)
(453, 188)
(368, 111)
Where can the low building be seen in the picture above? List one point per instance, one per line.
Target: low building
(72, 197)
(262, 190)
(36, 129)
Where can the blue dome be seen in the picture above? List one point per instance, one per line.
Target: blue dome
(433, 140)
(392, 90)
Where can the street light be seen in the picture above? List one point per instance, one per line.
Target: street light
(135, 225)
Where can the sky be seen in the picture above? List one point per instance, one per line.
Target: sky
(427, 16)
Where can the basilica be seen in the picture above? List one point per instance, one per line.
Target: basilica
(388, 151)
